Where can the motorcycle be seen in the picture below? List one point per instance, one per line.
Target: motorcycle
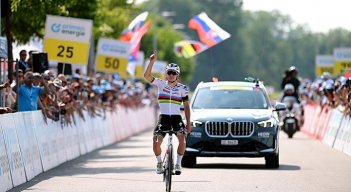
(291, 117)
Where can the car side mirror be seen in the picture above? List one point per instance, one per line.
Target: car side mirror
(279, 107)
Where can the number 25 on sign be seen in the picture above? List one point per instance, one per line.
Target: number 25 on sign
(67, 51)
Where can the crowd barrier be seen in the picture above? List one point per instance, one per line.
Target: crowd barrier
(29, 145)
(330, 126)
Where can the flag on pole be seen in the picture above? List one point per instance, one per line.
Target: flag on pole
(188, 48)
(134, 26)
(208, 31)
(133, 34)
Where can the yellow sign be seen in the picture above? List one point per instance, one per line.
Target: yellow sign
(112, 56)
(67, 39)
(321, 69)
(341, 66)
(112, 65)
(139, 71)
(66, 51)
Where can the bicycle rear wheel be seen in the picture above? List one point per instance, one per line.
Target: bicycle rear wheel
(169, 169)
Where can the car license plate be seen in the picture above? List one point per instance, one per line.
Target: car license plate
(229, 142)
(290, 121)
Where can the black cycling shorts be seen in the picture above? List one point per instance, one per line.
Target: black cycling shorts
(166, 122)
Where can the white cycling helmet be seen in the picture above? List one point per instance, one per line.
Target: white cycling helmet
(289, 87)
(173, 67)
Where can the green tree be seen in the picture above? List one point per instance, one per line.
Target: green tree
(26, 19)
(222, 60)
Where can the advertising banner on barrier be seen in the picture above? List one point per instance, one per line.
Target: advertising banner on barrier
(97, 130)
(108, 134)
(340, 139)
(334, 125)
(347, 146)
(13, 150)
(89, 136)
(5, 174)
(339, 143)
(70, 133)
(80, 132)
(57, 144)
(28, 144)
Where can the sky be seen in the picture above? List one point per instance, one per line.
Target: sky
(319, 15)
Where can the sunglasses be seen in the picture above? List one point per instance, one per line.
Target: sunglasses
(172, 73)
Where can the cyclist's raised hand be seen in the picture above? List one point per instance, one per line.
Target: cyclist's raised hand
(153, 57)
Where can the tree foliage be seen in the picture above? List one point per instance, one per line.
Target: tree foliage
(262, 44)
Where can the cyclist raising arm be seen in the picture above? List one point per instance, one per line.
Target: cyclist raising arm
(170, 96)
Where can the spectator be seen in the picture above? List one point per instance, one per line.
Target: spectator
(5, 110)
(30, 58)
(22, 64)
(10, 98)
(16, 82)
(29, 94)
(5, 85)
(291, 78)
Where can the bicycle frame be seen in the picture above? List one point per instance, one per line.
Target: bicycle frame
(168, 161)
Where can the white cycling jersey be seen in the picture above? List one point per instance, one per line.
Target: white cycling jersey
(170, 98)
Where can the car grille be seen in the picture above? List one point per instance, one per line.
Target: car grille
(233, 128)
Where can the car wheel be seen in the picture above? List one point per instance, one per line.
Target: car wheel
(189, 161)
(272, 161)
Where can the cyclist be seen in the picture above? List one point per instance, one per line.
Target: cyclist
(170, 96)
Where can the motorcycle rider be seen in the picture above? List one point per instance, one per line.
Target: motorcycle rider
(289, 90)
(291, 78)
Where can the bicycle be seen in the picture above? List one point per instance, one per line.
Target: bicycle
(168, 161)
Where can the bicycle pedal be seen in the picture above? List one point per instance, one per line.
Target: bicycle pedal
(178, 172)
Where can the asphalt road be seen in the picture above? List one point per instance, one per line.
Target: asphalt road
(128, 166)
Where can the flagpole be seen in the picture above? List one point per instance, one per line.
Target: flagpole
(212, 63)
(155, 34)
(154, 39)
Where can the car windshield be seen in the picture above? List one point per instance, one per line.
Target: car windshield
(230, 98)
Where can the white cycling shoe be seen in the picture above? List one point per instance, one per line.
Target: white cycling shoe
(178, 169)
(159, 168)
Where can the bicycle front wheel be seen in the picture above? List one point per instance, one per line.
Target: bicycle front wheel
(169, 169)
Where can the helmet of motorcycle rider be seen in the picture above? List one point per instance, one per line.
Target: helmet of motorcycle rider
(173, 67)
(292, 68)
(289, 88)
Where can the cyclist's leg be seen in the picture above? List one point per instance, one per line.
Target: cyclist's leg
(181, 140)
(178, 125)
(157, 141)
(180, 128)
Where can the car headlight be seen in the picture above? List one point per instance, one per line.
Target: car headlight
(269, 123)
(196, 123)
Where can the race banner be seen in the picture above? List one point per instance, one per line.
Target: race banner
(112, 56)
(67, 39)
(342, 60)
(324, 63)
